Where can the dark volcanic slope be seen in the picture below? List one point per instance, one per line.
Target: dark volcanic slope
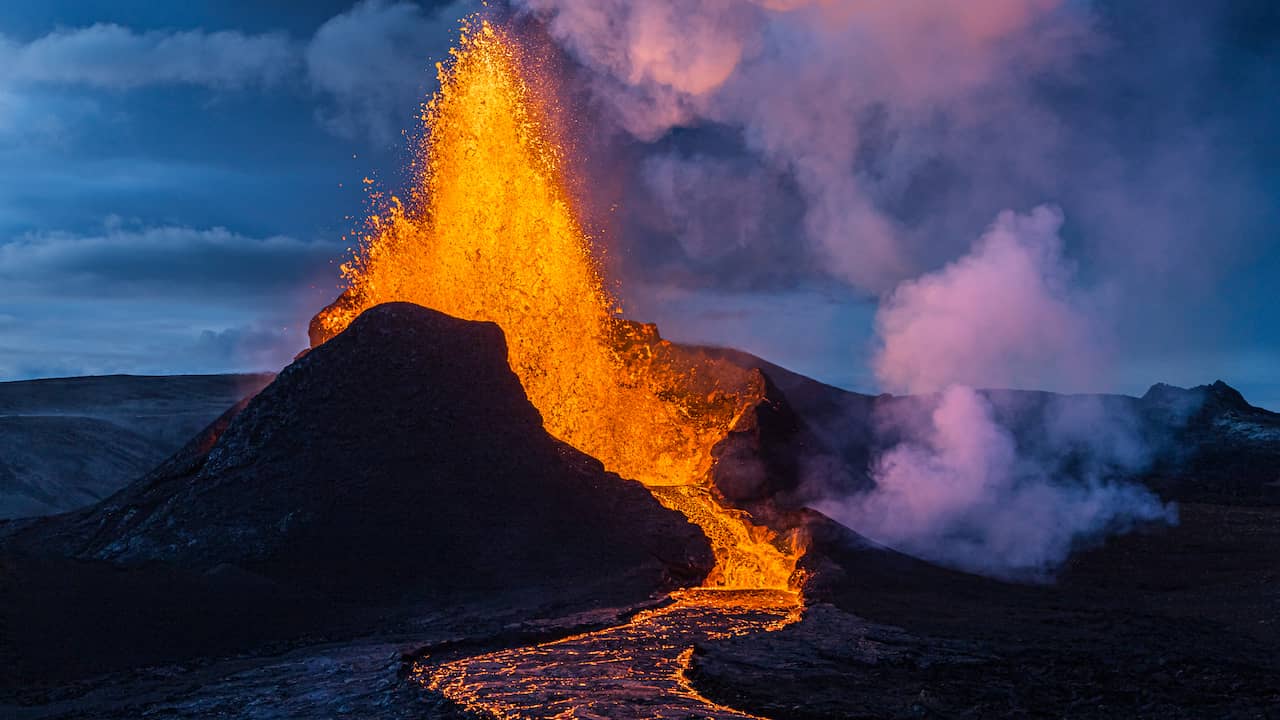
(66, 443)
(398, 464)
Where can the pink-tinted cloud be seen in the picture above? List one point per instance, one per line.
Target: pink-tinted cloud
(1007, 314)
(897, 121)
(800, 80)
(959, 493)
(956, 488)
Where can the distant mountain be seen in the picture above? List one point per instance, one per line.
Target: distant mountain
(66, 443)
(69, 442)
(1220, 448)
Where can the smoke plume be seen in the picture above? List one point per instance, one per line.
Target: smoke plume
(1005, 315)
(960, 493)
(957, 487)
(892, 133)
(861, 104)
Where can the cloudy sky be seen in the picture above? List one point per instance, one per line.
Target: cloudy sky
(177, 179)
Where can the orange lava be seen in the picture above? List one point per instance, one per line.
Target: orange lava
(636, 669)
(490, 233)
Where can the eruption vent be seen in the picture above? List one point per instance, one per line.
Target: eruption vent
(490, 233)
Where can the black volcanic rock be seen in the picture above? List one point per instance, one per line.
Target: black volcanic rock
(811, 433)
(765, 457)
(1218, 447)
(398, 464)
(1218, 397)
(408, 432)
(1174, 623)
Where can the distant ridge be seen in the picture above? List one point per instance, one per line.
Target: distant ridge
(68, 442)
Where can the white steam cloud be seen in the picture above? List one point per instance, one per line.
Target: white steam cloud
(812, 86)
(960, 494)
(956, 489)
(1005, 315)
(896, 122)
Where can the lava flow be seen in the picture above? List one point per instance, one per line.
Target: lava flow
(490, 233)
(636, 670)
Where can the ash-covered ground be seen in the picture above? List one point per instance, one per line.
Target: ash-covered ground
(391, 503)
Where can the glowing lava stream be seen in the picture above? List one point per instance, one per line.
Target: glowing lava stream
(635, 670)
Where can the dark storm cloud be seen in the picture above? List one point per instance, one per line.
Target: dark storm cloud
(142, 337)
(371, 64)
(203, 128)
(231, 137)
(246, 346)
(157, 299)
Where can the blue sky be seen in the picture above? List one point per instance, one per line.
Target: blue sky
(176, 181)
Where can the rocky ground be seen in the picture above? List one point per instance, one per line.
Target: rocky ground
(362, 677)
(390, 510)
(1177, 623)
(1201, 444)
(1167, 622)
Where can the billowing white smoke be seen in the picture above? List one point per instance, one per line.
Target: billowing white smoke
(958, 493)
(957, 490)
(855, 100)
(805, 80)
(1004, 315)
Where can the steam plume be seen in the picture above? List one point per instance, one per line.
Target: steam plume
(957, 488)
(901, 127)
(813, 88)
(960, 494)
(1004, 315)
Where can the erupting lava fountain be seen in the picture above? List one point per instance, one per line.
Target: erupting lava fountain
(490, 232)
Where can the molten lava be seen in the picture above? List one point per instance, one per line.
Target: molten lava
(490, 233)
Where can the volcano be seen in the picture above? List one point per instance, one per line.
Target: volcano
(399, 465)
